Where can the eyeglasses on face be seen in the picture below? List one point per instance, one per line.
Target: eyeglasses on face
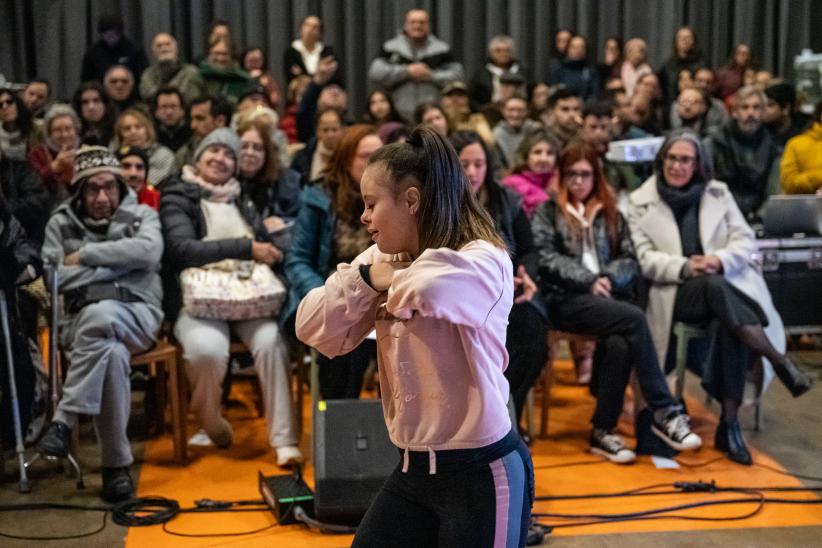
(681, 160)
(582, 175)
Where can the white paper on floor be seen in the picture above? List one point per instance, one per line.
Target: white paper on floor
(664, 462)
(201, 439)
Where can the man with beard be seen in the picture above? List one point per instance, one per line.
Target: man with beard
(170, 121)
(781, 116)
(134, 162)
(689, 111)
(597, 132)
(564, 114)
(745, 155)
(167, 70)
(206, 113)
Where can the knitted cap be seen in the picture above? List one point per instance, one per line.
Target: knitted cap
(220, 136)
(91, 160)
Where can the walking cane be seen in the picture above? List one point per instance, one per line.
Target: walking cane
(54, 375)
(25, 485)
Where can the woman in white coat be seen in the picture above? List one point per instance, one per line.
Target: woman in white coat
(694, 247)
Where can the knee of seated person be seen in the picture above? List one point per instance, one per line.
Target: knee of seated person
(207, 351)
(99, 316)
(714, 282)
(616, 345)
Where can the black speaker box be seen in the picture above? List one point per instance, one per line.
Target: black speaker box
(352, 458)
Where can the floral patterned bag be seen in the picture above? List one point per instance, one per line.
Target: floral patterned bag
(232, 290)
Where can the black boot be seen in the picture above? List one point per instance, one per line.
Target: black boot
(729, 439)
(56, 441)
(117, 485)
(794, 379)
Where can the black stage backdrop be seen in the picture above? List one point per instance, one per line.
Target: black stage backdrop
(48, 37)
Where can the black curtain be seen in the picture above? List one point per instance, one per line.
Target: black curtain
(48, 37)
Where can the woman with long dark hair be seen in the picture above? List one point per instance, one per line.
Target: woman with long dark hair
(15, 125)
(588, 277)
(97, 114)
(695, 249)
(527, 342)
(328, 231)
(381, 109)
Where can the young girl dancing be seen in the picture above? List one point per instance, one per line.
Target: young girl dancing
(438, 287)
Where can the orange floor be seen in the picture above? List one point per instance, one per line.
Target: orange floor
(232, 475)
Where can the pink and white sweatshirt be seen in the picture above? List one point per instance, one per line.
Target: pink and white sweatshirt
(441, 331)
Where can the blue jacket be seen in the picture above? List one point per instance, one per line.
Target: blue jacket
(308, 261)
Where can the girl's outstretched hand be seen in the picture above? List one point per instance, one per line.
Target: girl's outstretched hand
(382, 274)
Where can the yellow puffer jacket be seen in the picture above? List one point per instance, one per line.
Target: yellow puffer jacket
(801, 166)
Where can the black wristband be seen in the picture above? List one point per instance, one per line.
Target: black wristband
(365, 273)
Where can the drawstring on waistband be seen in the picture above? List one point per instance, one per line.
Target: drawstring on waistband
(405, 459)
(432, 462)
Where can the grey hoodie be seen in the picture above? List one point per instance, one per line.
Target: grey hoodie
(128, 253)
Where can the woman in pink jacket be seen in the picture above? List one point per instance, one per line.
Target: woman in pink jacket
(438, 288)
(534, 176)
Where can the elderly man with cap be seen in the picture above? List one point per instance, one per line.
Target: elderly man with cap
(206, 220)
(107, 251)
(134, 161)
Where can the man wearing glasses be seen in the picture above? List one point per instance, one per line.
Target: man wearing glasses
(106, 250)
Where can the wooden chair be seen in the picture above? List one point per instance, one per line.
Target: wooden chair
(163, 362)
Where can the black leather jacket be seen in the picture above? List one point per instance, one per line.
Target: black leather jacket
(559, 256)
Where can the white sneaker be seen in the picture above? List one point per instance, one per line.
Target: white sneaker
(676, 432)
(288, 456)
(611, 446)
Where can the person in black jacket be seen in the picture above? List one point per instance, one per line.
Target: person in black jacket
(588, 276)
(206, 220)
(527, 340)
(303, 56)
(113, 48)
(26, 196)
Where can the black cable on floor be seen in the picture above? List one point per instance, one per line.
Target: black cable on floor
(55, 506)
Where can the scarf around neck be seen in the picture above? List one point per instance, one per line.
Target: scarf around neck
(224, 193)
(684, 203)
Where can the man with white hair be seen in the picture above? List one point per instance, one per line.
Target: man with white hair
(168, 70)
(414, 65)
(745, 155)
(485, 85)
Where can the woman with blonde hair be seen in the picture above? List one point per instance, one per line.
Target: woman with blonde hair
(133, 128)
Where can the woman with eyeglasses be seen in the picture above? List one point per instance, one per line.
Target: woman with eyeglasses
(695, 248)
(588, 277)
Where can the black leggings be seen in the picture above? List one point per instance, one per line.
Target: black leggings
(467, 506)
(341, 377)
(527, 345)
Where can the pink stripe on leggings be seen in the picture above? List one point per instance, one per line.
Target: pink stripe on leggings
(502, 490)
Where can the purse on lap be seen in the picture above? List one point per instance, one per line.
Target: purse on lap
(232, 290)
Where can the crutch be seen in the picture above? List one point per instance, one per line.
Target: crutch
(25, 485)
(54, 372)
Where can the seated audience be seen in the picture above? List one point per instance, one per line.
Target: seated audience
(133, 128)
(686, 55)
(511, 130)
(433, 116)
(288, 121)
(705, 79)
(108, 250)
(304, 54)
(597, 133)
(173, 130)
(381, 109)
(745, 156)
(273, 189)
(256, 65)
(612, 61)
(113, 48)
(205, 114)
(97, 114)
(731, 75)
(322, 92)
(781, 117)
(695, 249)
(485, 84)
(564, 115)
(119, 85)
(414, 65)
(168, 71)
(589, 277)
(574, 71)
(635, 64)
(24, 196)
(534, 175)
(36, 96)
(54, 159)
(649, 91)
(457, 108)
(690, 111)
(15, 125)
(313, 159)
(205, 220)
(526, 341)
(801, 168)
(624, 116)
(222, 76)
(328, 231)
(135, 164)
